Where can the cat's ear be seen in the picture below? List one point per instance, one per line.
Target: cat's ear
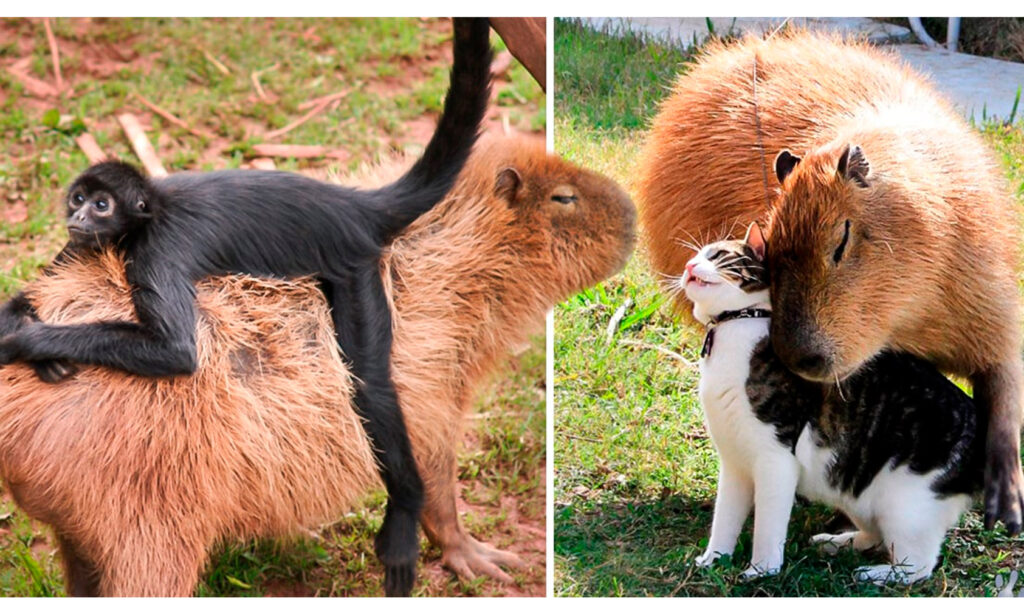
(853, 165)
(784, 164)
(755, 240)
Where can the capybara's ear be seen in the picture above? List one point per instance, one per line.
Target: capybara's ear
(506, 186)
(853, 165)
(755, 240)
(784, 164)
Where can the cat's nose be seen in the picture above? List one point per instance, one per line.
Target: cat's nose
(690, 265)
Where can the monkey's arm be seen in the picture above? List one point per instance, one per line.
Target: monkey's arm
(19, 312)
(161, 344)
(15, 314)
(362, 322)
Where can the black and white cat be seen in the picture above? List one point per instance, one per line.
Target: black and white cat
(896, 446)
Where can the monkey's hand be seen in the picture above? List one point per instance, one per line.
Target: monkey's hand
(398, 547)
(54, 370)
(10, 348)
(18, 346)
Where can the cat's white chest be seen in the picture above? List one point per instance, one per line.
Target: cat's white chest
(735, 429)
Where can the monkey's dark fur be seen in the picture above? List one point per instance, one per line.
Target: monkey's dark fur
(178, 230)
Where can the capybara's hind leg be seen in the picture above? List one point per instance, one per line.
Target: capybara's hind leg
(998, 392)
(147, 566)
(81, 577)
(461, 553)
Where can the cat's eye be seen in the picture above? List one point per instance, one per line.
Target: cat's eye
(838, 255)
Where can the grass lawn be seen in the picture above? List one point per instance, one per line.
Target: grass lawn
(232, 82)
(635, 471)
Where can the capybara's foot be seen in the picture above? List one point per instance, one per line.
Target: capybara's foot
(470, 558)
(1004, 490)
(398, 548)
(54, 370)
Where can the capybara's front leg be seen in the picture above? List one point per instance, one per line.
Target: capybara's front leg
(81, 578)
(998, 392)
(460, 552)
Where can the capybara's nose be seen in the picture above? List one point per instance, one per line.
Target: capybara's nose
(814, 365)
(802, 348)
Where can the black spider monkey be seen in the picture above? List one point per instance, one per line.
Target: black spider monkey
(178, 230)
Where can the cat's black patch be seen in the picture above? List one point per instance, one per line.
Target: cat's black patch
(779, 397)
(900, 410)
(897, 410)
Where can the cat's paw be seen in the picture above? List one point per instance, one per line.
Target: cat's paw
(832, 543)
(707, 559)
(885, 574)
(754, 572)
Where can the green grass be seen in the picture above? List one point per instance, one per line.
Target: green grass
(635, 472)
(201, 70)
(620, 90)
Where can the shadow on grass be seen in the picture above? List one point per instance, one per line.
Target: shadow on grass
(647, 548)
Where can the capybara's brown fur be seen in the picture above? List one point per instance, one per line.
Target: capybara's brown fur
(141, 477)
(930, 262)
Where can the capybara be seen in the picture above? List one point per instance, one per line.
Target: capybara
(141, 477)
(895, 230)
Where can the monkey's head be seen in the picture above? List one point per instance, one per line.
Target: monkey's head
(107, 202)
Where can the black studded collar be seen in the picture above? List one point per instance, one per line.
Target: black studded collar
(729, 315)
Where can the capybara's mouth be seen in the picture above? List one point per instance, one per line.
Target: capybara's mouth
(835, 376)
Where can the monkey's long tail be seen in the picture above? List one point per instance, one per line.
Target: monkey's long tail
(432, 176)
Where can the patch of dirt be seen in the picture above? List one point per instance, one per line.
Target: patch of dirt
(285, 588)
(14, 212)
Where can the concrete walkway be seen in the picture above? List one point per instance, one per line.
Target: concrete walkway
(978, 86)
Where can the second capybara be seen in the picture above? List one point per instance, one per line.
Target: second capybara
(896, 229)
(140, 478)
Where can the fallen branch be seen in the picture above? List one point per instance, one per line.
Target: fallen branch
(174, 120)
(660, 349)
(54, 53)
(620, 312)
(216, 63)
(294, 124)
(256, 74)
(140, 143)
(328, 98)
(87, 143)
(35, 87)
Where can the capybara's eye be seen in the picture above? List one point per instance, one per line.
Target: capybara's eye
(842, 244)
(565, 199)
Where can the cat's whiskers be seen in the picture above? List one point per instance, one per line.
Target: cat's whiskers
(687, 244)
(671, 283)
